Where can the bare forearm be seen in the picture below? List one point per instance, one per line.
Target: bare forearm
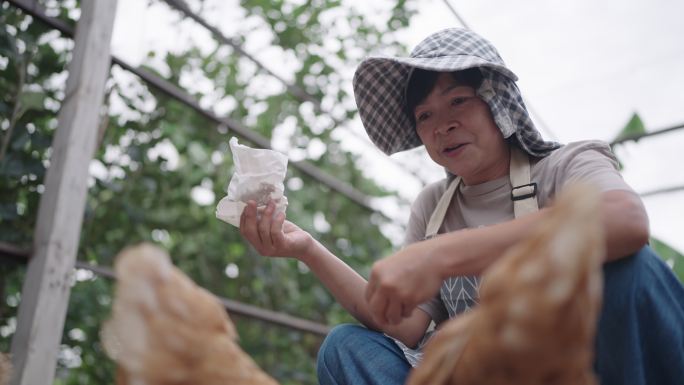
(625, 224)
(274, 236)
(471, 251)
(625, 230)
(345, 284)
(348, 287)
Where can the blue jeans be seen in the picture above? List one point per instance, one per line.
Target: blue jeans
(640, 339)
(352, 354)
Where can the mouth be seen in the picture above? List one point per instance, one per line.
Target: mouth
(452, 150)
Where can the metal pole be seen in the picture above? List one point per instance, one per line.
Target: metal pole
(636, 137)
(356, 196)
(233, 307)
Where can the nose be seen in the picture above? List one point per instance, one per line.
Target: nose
(446, 125)
(445, 121)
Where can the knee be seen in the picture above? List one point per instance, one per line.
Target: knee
(626, 274)
(639, 280)
(340, 340)
(336, 350)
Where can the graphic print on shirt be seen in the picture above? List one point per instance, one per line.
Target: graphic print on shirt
(460, 294)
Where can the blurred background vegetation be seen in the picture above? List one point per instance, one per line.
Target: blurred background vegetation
(151, 166)
(158, 161)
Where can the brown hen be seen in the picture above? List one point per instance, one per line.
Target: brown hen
(166, 330)
(539, 304)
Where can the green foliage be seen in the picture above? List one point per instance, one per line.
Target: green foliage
(673, 258)
(151, 160)
(29, 100)
(634, 127)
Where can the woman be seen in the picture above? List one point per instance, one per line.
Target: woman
(455, 96)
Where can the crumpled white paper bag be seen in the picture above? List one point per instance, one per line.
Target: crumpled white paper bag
(259, 176)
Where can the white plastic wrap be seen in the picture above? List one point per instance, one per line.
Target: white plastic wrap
(259, 176)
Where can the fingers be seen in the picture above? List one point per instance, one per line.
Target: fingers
(393, 311)
(406, 311)
(376, 299)
(371, 288)
(262, 231)
(383, 308)
(264, 226)
(386, 304)
(386, 310)
(248, 223)
(377, 306)
(276, 231)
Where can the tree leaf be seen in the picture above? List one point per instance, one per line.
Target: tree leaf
(673, 257)
(634, 127)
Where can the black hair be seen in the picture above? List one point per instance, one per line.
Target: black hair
(421, 82)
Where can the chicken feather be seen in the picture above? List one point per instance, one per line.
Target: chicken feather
(539, 304)
(5, 369)
(166, 330)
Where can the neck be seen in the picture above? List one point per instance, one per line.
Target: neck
(498, 169)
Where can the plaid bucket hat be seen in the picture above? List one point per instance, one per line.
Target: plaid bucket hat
(380, 82)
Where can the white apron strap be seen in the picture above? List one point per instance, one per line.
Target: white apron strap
(439, 213)
(523, 193)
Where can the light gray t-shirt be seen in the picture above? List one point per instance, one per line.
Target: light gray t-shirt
(490, 203)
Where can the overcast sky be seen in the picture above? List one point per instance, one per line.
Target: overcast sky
(584, 66)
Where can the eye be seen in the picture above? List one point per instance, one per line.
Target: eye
(458, 100)
(422, 116)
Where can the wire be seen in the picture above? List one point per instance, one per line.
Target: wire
(662, 191)
(636, 137)
(458, 16)
(35, 10)
(17, 254)
(538, 119)
(293, 89)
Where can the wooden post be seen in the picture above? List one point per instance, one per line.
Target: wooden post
(46, 289)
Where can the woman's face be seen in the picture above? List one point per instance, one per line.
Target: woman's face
(459, 133)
